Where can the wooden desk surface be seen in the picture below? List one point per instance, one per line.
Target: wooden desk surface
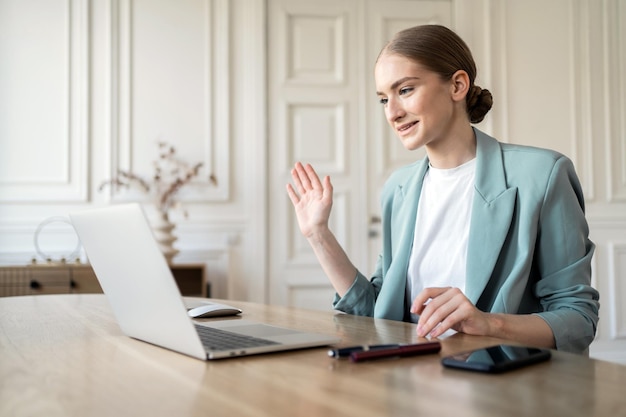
(64, 355)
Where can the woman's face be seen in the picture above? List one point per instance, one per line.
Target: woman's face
(418, 103)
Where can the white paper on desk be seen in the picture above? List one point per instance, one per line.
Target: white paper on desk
(444, 335)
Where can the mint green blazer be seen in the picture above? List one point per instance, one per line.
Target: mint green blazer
(528, 249)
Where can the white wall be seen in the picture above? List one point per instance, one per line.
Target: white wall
(86, 87)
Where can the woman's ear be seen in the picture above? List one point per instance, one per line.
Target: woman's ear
(460, 85)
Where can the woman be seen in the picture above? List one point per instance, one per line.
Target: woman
(480, 237)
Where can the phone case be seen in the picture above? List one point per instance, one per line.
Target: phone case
(496, 359)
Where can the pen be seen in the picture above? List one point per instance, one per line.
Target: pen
(345, 352)
(402, 350)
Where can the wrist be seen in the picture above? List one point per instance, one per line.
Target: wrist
(319, 235)
(496, 325)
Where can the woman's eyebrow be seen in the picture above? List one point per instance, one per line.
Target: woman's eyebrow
(398, 83)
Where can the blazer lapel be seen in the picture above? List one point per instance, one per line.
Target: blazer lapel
(492, 212)
(403, 219)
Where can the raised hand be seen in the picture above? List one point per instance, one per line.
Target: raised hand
(311, 198)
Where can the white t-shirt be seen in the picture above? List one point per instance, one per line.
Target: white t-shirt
(442, 226)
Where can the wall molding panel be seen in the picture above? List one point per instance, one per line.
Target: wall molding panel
(62, 136)
(493, 72)
(581, 85)
(617, 311)
(304, 28)
(614, 15)
(306, 67)
(135, 106)
(318, 135)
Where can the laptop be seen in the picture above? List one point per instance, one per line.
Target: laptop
(147, 303)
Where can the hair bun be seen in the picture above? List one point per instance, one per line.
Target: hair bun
(479, 102)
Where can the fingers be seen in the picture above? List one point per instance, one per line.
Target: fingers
(327, 188)
(306, 179)
(303, 177)
(298, 176)
(293, 196)
(312, 178)
(424, 297)
(441, 309)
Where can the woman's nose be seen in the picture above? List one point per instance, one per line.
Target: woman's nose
(394, 111)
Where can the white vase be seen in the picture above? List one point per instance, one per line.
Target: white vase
(162, 228)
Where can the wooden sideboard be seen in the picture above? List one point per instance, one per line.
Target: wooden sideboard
(80, 279)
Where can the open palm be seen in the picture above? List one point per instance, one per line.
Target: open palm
(311, 198)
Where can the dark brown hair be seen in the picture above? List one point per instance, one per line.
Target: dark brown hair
(442, 51)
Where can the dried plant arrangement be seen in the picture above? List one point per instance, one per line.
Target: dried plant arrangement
(171, 174)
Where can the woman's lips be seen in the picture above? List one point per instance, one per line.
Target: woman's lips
(405, 127)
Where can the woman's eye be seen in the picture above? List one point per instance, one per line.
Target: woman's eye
(405, 90)
(383, 101)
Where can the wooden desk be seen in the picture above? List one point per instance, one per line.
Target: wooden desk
(64, 355)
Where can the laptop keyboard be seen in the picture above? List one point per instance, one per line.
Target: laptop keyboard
(216, 339)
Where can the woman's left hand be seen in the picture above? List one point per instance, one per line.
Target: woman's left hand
(441, 309)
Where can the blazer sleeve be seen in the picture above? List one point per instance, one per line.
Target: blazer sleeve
(360, 299)
(563, 255)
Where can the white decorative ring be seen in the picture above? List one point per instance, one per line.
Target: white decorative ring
(56, 219)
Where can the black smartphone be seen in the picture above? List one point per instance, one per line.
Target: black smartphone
(496, 359)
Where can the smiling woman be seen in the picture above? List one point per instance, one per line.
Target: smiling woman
(425, 80)
(479, 237)
(442, 52)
